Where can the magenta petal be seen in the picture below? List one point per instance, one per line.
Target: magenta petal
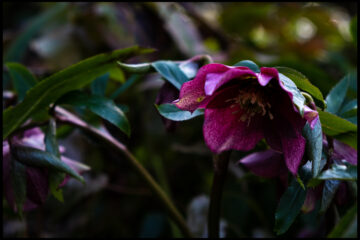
(344, 151)
(266, 74)
(215, 81)
(267, 163)
(192, 94)
(293, 150)
(311, 116)
(223, 131)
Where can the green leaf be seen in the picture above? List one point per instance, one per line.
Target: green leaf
(50, 89)
(347, 226)
(349, 110)
(99, 105)
(170, 111)
(51, 146)
(337, 94)
(340, 172)
(333, 125)
(125, 86)
(289, 207)
(135, 68)
(37, 158)
(329, 190)
(17, 49)
(302, 82)
(98, 86)
(250, 64)
(298, 98)
(171, 72)
(314, 145)
(350, 138)
(18, 182)
(351, 105)
(291, 201)
(22, 78)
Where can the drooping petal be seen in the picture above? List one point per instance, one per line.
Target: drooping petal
(344, 151)
(285, 130)
(268, 163)
(192, 94)
(223, 130)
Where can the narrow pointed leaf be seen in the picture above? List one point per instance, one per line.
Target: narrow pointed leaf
(302, 82)
(22, 78)
(170, 111)
(337, 94)
(350, 138)
(51, 146)
(291, 201)
(171, 72)
(125, 86)
(289, 207)
(37, 158)
(333, 125)
(314, 145)
(50, 89)
(103, 107)
(135, 68)
(250, 64)
(351, 105)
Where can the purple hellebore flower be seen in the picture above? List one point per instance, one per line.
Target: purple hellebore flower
(37, 184)
(242, 107)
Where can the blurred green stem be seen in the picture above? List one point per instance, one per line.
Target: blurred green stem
(66, 117)
(221, 163)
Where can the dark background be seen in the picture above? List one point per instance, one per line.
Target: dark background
(313, 38)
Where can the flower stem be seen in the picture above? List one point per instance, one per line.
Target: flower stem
(66, 117)
(221, 163)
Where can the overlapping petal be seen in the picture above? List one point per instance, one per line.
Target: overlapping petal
(192, 94)
(268, 163)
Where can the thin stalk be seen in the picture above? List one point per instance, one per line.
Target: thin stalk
(221, 163)
(66, 117)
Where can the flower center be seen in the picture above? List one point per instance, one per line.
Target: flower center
(250, 101)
